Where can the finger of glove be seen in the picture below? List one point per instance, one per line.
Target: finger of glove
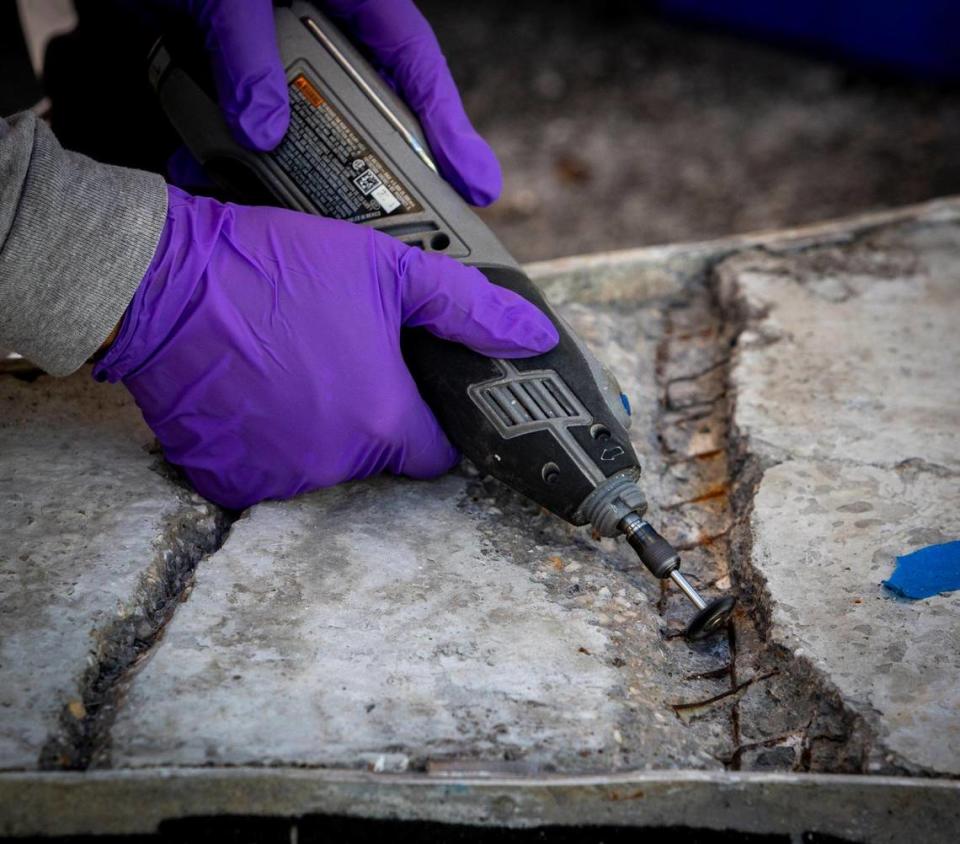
(406, 50)
(457, 303)
(424, 450)
(240, 39)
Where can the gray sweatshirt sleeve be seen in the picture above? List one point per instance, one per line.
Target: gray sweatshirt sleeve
(76, 238)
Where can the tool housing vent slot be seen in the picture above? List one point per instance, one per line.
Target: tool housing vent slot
(523, 402)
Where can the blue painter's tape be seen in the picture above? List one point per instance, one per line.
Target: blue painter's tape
(927, 572)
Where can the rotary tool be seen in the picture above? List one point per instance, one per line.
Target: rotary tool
(553, 427)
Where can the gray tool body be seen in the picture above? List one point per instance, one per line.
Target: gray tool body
(554, 427)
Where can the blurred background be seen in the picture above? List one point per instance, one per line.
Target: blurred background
(622, 124)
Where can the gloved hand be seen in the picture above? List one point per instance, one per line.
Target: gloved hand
(263, 347)
(405, 51)
(239, 36)
(241, 41)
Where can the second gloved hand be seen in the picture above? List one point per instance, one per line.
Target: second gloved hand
(405, 50)
(263, 348)
(241, 44)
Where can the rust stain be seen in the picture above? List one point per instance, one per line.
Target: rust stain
(703, 541)
(636, 794)
(572, 170)
(696, 334)
(707, 455)
(719, 491)
(690, 458)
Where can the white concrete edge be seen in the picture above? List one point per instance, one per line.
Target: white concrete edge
(544, 780)
(623, 260)
(129, 801)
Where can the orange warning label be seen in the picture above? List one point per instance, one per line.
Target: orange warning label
(312, 94)
(332, 165)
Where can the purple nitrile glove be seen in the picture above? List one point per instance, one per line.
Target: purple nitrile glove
(240, 39)
(263, 347)
(405, 51)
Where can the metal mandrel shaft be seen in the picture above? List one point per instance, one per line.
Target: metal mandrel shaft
(662, 559)
(687, 589)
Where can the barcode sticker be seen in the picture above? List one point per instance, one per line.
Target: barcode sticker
(388, 202)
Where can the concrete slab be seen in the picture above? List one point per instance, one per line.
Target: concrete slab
(825, 536)
(393, 625)
(370, 624)
(447, 651)
(86, 525)
(850, 352)
(846, 417)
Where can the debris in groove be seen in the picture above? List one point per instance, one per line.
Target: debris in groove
(703, 455)
(698, 704)
(716, 674)
(734, 763)
(82, 739)
(720, 492)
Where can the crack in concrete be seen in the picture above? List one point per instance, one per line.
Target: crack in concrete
(735, 760)
(81, 740)
(830, 737)
(852, 744)
(918, 464)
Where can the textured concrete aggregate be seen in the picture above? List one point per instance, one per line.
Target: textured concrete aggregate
(846, 412)
(85, 524)
(403, 625)
(795, 413)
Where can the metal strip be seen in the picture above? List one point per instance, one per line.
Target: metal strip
(131, 801)
(374, 97)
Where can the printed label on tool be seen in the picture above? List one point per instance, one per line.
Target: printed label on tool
(332, 165)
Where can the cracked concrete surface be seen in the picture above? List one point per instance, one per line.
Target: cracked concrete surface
(850, 352)
(427, 626)
(88, 532)
(386, 645)
(824, 537)
(847, 408)
(796, 416)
